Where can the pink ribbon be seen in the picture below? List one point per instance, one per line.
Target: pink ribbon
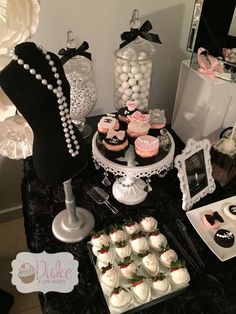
(119, 134)
(208, 64)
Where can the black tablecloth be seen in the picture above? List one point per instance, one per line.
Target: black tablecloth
(41, 203)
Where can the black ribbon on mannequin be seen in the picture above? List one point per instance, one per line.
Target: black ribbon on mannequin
(72, 52)
(143, 32)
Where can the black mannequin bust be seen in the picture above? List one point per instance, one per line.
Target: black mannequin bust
(51, 158)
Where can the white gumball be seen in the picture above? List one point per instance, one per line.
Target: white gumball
(135, 69)
(121, 102)
(136, 88)
(131, 51)
(124, 77)
(121, 90)
(141, 107)
(143, 88)
(119, 69)
(147, 74)
(138, 76)
(138, 102)
(142, 55)
(142, 82)
(135, 96)
(143, 68)
(132, 82)
(134, 63)
(126, 68)
(125, 85)
(149, 65)
(128, 92)
(130, 75)
(126, 55)
(125, 97)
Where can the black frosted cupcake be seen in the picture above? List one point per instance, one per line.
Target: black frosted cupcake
(106, 123)
(126, 111)
(115, 143)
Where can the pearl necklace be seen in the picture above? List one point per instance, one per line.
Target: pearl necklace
(72, 143)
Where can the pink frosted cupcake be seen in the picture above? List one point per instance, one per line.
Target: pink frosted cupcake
(146, 149)
(115, 143)
(126, 111)
(138, 125)
(106, 123)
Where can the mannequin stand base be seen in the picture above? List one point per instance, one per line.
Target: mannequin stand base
(71, 234)
(129, 195)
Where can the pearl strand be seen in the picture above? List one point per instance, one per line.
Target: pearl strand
(67, 125)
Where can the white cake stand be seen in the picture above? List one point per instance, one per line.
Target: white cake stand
(129, 188)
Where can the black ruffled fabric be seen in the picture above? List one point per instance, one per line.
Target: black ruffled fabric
(41, 203)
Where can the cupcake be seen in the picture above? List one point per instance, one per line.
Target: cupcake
(138, 125)
(115, 143)
(106, 123)
(125, 112)
(146, 149)
(26, 273)
(157, 120)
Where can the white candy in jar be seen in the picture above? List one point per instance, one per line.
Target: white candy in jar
(138, 76)
(124, 97)
(128, 92)
(135, 69)
(126, 68)
(143, 68)
(124, 77)
(121, 90)
(136, 88)
(142, 55)
(135, 96)
(125, 85)
(119, 69)
(132, 82)
(142, 82)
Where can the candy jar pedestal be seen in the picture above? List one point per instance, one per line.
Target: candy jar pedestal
(129, 188)
(74, 223)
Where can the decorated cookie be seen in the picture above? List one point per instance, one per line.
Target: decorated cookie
(109, 276)
(230, 211)
(148, 224)
(157, 118)
(224, 238)
(122, 249)
(157, 240)
(120, 297)
(127, 267)
(138, 242)
(212, 220)
(160, 283)
(179, 273)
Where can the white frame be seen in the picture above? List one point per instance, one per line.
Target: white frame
(193, 147)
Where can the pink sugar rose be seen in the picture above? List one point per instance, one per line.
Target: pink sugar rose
(138, 116)
(131, 105)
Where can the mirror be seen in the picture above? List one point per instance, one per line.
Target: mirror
(213, 27)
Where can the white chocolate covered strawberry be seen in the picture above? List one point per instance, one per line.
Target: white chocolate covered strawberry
(179, 273)
(109, 276)
(138, 242)
(105, 255)
(157, 240)
(122, 249)
(168, 256)
(99, 239)
(127, 267)
(150, 263)
(160, 283)
(131, 226)
(116, 234)
(148, 224)
(120, 297)
(140, 288)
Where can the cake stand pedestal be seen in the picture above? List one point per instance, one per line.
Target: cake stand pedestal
(129, 188)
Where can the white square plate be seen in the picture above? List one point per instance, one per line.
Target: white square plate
(208, 235)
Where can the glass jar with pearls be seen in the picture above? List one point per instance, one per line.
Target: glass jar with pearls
(83, 92)
(133, 70)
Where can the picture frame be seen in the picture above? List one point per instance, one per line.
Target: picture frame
(195, 172)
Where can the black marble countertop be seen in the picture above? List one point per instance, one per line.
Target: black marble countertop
(41, 203)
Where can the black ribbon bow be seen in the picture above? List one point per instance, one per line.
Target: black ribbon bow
(127, 37)
(212, 218)
(72, 52)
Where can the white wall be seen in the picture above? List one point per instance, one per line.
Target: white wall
(100, 22)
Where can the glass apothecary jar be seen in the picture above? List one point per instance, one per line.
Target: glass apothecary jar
(83, 92)
(133, 70)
